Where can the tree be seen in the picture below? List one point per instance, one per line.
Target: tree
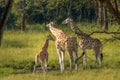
(5, 2)
(115, 5)
(69, 9)
(22, 6)
(112, 10)
(115, 14)
(4, 18)
(105, 18)
(102, 15)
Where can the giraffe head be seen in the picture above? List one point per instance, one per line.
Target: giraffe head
(50, 24)
(49, 37)
(67, 20)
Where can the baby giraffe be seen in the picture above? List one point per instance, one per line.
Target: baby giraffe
(42, 56)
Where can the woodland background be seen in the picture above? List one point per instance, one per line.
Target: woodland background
(23, 32)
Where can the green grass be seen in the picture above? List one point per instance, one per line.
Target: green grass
(97, 74)
(19, 48)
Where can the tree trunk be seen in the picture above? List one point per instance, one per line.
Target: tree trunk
(100, 13)
(105, 18)
(112, 11)
(69, 8)
(116, 6)
(23, 21)
(4, 18)
(5, 2)
(22, 15)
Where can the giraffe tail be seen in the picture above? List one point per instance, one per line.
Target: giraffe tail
(79, 57)
(101, 57)
(101, 54)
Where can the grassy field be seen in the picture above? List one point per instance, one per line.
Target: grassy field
(19, 48)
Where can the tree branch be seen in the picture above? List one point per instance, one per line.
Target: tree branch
(104, 32)
(113, 12)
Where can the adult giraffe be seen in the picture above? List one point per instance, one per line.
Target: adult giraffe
(86, 42)
(64, 42)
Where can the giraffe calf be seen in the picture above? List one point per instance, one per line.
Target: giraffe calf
(42, 56)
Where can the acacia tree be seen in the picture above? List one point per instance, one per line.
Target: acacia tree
(4, 18)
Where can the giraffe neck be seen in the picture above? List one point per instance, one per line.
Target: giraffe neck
(46, 44)
(56, 32)
(77, 30)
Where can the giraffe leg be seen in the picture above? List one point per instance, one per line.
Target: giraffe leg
(46, 64)
(43, 66)
(71, 62)
(100, 57)
(34, 70)
(76, 57)
(96, 53)
(71, 59)
(60, 60)
(95, 60)
(75, 53)
(84, 60)
(36, 63)
(97, 56)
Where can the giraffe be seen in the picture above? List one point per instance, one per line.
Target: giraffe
(64, 43)
(86, 42)
(42, 56)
